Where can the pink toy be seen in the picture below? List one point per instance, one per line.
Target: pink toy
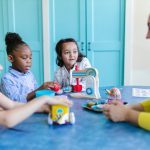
(77, 87)
(113, 93)
(56, 87)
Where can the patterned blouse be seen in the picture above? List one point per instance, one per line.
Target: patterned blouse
(16, 85)
(63, 77)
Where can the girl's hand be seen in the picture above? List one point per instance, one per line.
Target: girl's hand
(47, 85)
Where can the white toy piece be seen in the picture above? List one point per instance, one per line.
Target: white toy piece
(92, 83)
(72, 118)
(64, 119)
(67, 118)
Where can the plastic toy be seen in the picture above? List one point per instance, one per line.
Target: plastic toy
(56, 87)
(94, 106)
(44, 92)
(65, 90)
(92, 83)
(77, 87)
(60, 115)
(113, 93)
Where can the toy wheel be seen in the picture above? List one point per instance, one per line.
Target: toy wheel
(72, 118)
(89, 91)
(50, 122)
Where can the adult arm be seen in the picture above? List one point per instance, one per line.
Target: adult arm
(10, 118)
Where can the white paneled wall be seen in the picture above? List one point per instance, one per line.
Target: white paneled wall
(137, 47)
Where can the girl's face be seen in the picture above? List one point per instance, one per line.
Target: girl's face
(69, 54)
(21, 59)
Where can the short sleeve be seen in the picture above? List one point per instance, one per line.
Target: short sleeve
(11, 89)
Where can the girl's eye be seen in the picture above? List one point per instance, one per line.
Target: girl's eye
(66, 52)
(24, 58)
(75, 52)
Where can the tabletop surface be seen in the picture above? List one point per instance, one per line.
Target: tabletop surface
(91, 131)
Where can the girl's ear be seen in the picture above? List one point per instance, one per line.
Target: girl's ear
(11, 58)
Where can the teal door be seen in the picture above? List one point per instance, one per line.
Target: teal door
(25, 18)
(105, 39)
(98, 27)
(67, 19)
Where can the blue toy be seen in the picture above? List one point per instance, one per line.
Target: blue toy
(44, 92)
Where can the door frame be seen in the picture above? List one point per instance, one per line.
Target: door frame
(128, 50)
(46, 40)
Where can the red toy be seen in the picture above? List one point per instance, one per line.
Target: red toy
(77, 87)
(56, 87)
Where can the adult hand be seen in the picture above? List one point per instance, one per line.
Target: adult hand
(116, 111)
(62, 100)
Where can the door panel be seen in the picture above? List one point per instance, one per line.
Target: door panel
(67, 19)
(105, 39)
(108, 66)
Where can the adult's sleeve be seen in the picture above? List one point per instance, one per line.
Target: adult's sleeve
(144, 120)
(146, 105)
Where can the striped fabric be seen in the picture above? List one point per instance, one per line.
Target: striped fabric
(17, 85)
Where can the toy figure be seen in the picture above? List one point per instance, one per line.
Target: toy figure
(60, 114)
(113, 93)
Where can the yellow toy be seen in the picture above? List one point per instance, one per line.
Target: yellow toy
(60, 114)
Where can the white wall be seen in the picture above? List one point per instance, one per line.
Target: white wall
(137, 50)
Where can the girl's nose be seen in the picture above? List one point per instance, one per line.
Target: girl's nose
(71, 54)
(29, 60)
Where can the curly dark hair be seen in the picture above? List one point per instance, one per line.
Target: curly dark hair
(59, 47)
(13, 41)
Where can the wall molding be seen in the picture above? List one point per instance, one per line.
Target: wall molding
(46, 39)
(128, 51)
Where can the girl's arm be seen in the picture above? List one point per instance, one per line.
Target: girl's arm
(10, 118)
(46, 85)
